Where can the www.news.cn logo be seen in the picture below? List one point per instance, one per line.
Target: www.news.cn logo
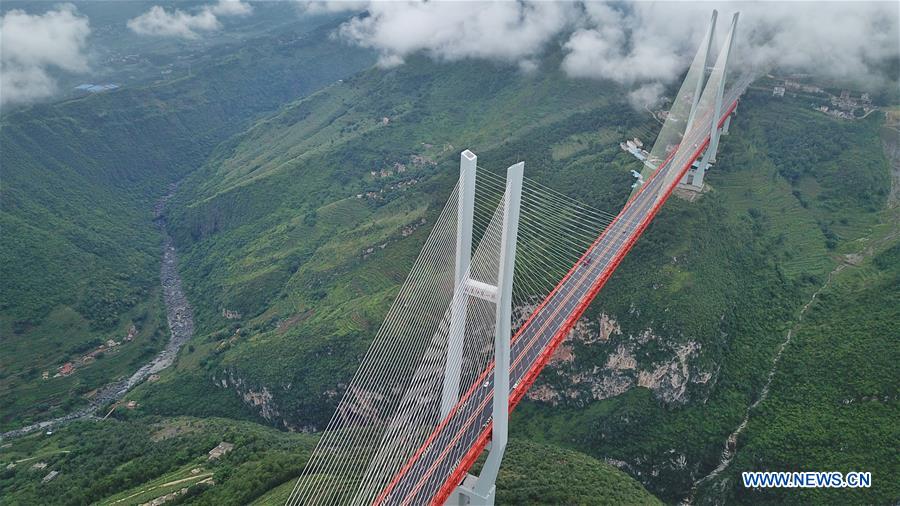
(808, 479)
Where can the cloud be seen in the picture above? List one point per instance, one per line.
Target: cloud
(162, 23)
(331, 6)
(231, 8)
(839, 39)
(622, 44)
(644, 41)
(634, 44)
(513, 31)
(646, 95)
(32, 44)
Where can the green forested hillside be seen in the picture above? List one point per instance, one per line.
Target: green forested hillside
(80, 255)
(720, 280)
(131, 462)
(833, 399)
(296, 227)
(277, 225)
(833, 404)
(279, 236)
(535, 473)
(152, 457)
(544, 475)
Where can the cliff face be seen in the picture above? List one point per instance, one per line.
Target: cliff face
(667, 366)
(260, 398)
(271, 402)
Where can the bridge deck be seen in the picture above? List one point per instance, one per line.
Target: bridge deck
(436, 469)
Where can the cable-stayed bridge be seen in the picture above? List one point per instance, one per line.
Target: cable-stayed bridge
(425, 402)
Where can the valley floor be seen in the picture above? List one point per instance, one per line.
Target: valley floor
(181, 328)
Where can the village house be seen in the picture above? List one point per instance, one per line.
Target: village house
(220, 450)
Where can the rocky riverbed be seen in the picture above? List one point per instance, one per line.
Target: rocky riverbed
(181, 327)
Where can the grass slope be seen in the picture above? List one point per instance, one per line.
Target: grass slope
(833, 401)
(279, 236)
(129, 461)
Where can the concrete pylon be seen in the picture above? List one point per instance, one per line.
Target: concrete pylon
(468, 165)
(721, 67)
(697, 70)
(481, 490)
(700, 59)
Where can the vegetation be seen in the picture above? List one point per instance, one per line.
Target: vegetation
(129, 462)
(276, 226)
(272, 228)
(833, 403)
(729, 272)
(295, 226)
(541, 474)
(80, 255)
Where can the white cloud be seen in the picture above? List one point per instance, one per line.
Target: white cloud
(331, 6)
(645, 41)
(231, 8)
(512, 31)
(646, 95)
(618, 43)
(160, 22)
(178, 23)
(632, 43)
(32, 44)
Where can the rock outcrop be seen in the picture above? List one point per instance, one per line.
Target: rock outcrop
(580, 379)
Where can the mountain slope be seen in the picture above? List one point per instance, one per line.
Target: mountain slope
(292, 271)
(80, 255)
(295, 234)
(277, 228)
(832, 403)
(542, 474)
(682, 339)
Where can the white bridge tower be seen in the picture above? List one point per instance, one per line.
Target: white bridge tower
(693, 178)
(480, 490)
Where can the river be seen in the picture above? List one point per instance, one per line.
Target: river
(181, 327)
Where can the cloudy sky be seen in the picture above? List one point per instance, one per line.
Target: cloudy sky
(160, 21)
(640, 42)
(641, 45)
(32, 44)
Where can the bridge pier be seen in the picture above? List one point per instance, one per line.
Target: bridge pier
(465, 494)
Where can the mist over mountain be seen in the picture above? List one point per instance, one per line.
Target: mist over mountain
(639, 43)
